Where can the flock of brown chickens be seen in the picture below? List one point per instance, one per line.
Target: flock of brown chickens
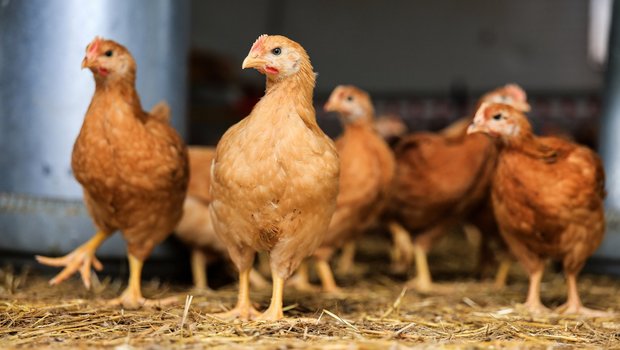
(277, 184)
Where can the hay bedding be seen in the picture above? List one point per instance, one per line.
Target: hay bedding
(374, 313)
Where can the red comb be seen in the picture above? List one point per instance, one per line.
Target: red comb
(516, 91)
(94, 45)
(259, 42)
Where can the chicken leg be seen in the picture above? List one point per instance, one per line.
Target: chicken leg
(81, 259)
(347, 259)
(502, 273)
(199, 269)
(275, 312)
(327, 277)
(573, 305)
(132, 296)
(533, 303)
(422, 281)
(301, 279)
(402, 250)
(244, 309)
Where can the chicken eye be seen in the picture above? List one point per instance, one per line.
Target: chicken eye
(349, 98)
(497, 117)
(108, 53)
(277, 51)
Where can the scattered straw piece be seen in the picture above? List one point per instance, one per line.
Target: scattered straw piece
(188, 302)
(398, 332)
(396, 303)
(337, 318)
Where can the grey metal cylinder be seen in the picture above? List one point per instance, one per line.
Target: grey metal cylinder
(610, 142)
(44, 95)
(610, 150)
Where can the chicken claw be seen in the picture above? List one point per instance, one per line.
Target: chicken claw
(535, 307)
(244, 309)
(130, 301)
(573, 305)
(132, 296)
(420, 285)
(81, 259)
(275, 311)
(241, 312)
(572, 309)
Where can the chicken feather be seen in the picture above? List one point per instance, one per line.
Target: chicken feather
(547, 197)
(366, 170)
(132, 166)
(275, 173)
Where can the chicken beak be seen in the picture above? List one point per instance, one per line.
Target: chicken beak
(329, 106)
(253, 61)
(85, 63)
(474, 128)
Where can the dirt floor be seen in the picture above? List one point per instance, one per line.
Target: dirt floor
(375, 312)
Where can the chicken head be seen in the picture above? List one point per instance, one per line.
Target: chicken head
(108, 59)
(275, 56)
(350, 103)
(499, 121)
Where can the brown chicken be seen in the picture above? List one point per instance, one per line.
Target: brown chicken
(275, 174)
(391, 128)
(196, 227)
(547, 198)
(366, 171)
(132, 166)
(440, 180)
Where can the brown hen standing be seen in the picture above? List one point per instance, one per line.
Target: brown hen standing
(547, 197)
(132, 166)
(366, 170)
(440, 180)
(196, 227)
(275, 174)
(391, 128)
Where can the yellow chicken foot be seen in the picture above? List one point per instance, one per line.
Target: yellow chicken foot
(327, 277)
(347, 259)
(81, 259)
(274, 312)
(244, 309)
(132, 296)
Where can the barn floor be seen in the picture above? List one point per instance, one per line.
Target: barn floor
(375, 312)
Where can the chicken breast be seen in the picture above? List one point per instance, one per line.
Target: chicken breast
(275, 174)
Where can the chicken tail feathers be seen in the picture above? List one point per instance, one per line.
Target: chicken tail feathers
(161, 112)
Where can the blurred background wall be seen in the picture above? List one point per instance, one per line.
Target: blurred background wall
(426, 61)
(424, 46)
